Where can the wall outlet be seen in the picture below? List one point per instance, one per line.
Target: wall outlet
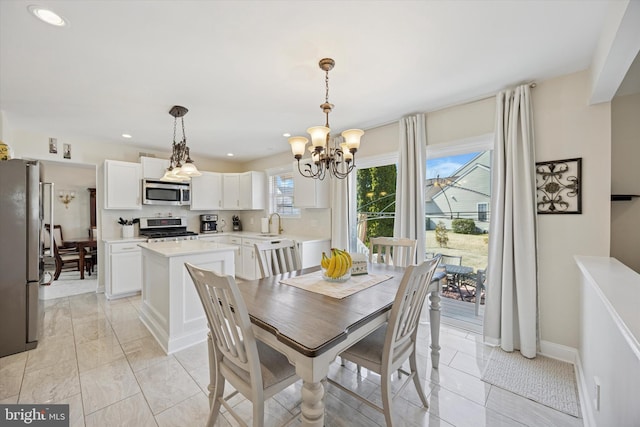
(596, 394)
(251, 221)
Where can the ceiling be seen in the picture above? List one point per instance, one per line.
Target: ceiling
(247, 70)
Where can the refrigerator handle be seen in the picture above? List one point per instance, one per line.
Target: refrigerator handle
(51, 222)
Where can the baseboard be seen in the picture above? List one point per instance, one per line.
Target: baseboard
(586, 404)
(559, 351)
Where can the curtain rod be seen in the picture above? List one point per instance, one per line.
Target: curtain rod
(531, 85)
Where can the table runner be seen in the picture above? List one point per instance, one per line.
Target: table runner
(313, 282)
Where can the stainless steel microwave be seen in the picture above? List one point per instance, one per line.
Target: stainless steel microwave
(156, 192)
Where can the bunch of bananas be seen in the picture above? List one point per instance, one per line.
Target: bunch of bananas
(338, 265)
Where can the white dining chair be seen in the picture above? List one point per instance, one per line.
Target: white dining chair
(254, 369)
(386, 349)
(277, 257)
(395, 251)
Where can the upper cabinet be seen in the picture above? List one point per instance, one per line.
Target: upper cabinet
(206, 191)
(122, 185)
(153, 168)
(309, 192)
(243, 190)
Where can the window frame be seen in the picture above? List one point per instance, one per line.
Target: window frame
(273, 206)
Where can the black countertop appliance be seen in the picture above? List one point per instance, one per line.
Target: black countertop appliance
(237, 225)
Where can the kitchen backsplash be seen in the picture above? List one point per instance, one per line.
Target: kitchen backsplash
(312, 222)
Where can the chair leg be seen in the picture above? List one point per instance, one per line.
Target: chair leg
(387, 399)
(258, 413)
(58, 271)
(416, 378)
(216, 385)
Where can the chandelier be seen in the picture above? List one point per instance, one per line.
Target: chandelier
(325, 157)
(181, 166)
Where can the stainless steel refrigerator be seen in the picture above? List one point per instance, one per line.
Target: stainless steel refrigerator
(21, 254)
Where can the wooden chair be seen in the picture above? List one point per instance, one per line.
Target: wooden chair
(254, 369)
(392, 251)
(69, 259)
(278, 257)
(57, 235)
(386, 349)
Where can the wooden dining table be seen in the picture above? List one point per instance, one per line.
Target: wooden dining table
(312, 329)
(81, 243)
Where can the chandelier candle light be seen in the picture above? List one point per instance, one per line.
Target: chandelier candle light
(181, 167)
(338, 161)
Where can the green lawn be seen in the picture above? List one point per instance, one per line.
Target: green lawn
(472, 248)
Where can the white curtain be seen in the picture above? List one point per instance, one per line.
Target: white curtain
(409, 216)
(342, 218)
(511, 316)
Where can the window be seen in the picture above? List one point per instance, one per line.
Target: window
(281, 194)
(483, 208)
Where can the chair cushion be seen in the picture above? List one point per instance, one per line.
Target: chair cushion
(369, 349)
(274, 366)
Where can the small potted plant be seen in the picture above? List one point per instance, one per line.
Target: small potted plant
(127, 227)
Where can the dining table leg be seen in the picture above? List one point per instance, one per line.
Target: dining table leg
(434, 320)
(312, 407)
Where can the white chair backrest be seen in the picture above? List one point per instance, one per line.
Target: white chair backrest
(277, 257)
(392, 251)
(229, 323)
(406, 309)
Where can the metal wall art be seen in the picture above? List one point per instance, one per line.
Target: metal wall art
(558, 186)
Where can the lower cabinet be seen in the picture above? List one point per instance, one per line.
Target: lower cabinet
(246, 261)
(124, 269)
(250, 269)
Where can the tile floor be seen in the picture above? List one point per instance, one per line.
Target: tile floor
(99, 358)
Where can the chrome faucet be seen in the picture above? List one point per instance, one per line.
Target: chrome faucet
(280, 230)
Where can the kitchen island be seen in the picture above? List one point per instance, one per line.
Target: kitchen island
(171, 308)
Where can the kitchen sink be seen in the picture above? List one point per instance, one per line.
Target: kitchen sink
(268, 235)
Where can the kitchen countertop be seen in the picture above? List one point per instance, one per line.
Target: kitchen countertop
(185, 247)
(124, 239)
(258, 235)
(246, 234)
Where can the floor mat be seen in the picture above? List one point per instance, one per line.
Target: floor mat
(544, 380)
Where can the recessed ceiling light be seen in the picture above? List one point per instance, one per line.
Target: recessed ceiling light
(126, 135)
(48, 16)
(286, 135)
(230, 154)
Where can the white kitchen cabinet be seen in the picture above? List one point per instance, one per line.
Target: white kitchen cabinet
(236, 242)
(231, 191)
(309, 192)
(153, 168)
(250, 269)
(243, 191)
(122, 185)
(206, 191)
(311, 251)
(124, 269)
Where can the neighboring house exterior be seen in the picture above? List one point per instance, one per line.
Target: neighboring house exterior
(465, 194)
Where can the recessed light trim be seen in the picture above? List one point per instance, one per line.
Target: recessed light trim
(48, 16)
(286, 134)
(126, 135)
(230, 154)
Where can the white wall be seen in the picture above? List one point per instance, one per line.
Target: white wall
(35, 145)
(565, 126)
(625, 179)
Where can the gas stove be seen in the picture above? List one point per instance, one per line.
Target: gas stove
(166, 229)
